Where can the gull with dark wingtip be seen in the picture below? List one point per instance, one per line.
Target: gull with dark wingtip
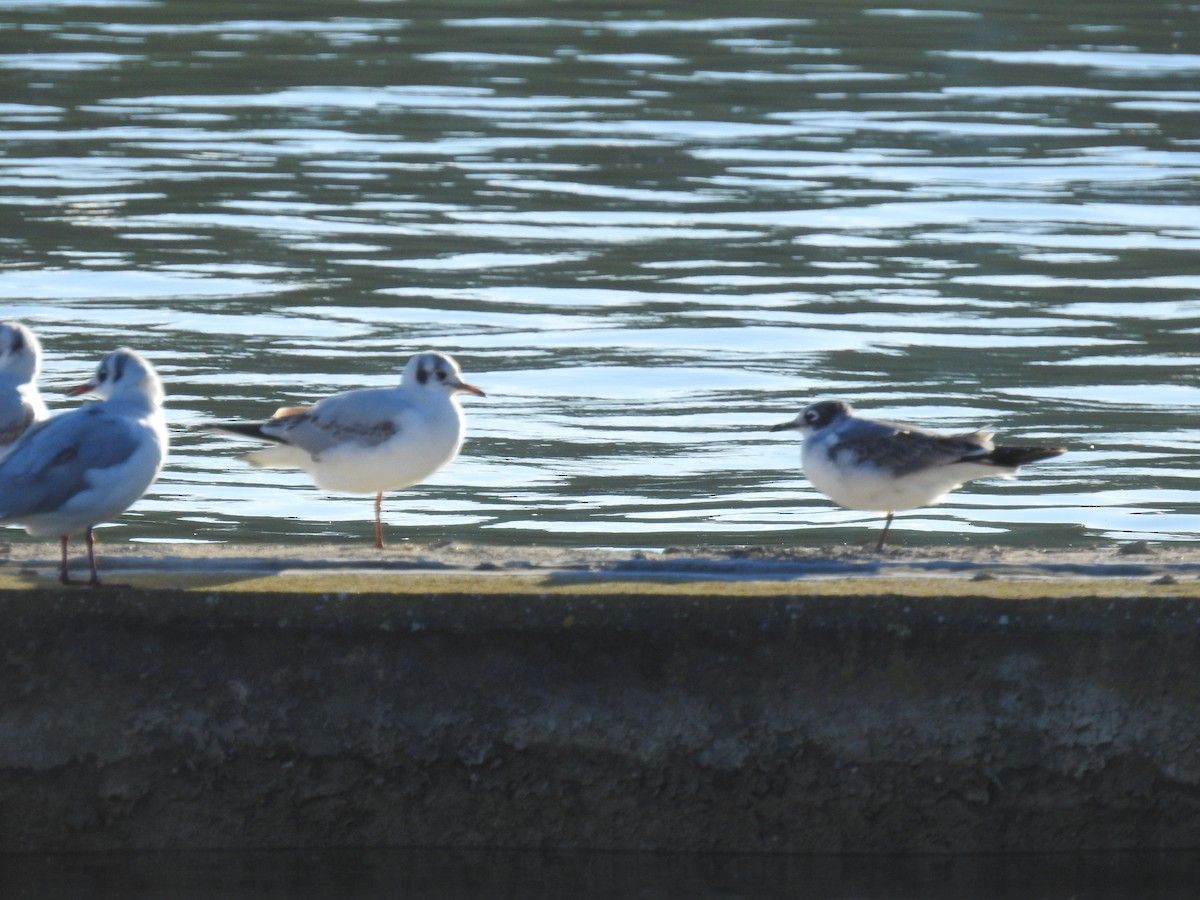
(372, 440)
(20, 361)
(866, 464)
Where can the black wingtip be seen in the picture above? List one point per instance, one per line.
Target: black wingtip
(1013, 457)
(243, 429)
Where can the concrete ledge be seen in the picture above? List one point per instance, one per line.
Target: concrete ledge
(700, 719)
(1126, 570)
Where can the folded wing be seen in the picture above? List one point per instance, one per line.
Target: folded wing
(61, 457)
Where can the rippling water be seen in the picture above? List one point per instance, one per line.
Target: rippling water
(649, 233)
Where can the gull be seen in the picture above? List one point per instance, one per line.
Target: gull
(861, 463)
(70, 472)
(20, 361)
(371, 440)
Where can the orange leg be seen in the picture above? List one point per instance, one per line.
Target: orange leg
(378, 521)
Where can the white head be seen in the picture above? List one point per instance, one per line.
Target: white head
(817, 416)
(436, 371)
(123, 374)
(20, 352)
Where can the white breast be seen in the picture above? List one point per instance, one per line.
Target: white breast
(865, 486)
(422, 445)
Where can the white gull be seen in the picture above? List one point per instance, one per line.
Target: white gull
(20, 362)
(86, 466)
(371, 440)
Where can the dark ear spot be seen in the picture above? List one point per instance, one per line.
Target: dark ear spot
(422, 375)
(18, 343)
(821, 414)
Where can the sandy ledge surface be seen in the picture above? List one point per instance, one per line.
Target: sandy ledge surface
(1175, 564)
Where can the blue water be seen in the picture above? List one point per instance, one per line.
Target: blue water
(648, 233)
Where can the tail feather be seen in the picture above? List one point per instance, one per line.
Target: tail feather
(277, 456)
(1013, 457)
(244, 429)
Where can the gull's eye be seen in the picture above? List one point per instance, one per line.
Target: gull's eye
(102, 376)
(812, 416)
(441, 375)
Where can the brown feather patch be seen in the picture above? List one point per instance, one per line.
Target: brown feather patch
(284, 411)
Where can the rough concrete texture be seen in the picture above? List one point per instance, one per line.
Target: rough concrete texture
(171, 719)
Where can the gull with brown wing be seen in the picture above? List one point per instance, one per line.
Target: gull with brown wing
(862, 463)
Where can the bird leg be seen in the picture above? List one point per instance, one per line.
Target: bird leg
(378, 521)
(883, 534)
(94, 581)
(64, 574)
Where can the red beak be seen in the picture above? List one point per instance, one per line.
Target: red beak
(81, 389)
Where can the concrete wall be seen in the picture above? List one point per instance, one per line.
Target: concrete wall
(169, 719)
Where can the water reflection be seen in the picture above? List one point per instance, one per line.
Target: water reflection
(647, 234)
